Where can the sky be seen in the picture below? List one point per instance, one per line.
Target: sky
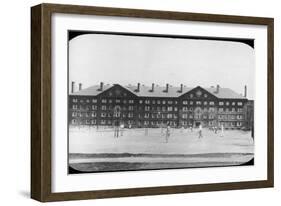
(120, 59)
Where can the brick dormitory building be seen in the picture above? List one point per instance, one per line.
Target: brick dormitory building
(155, 106)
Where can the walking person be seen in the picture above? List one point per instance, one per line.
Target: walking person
(222, 131)
(200, 131)
(168, 133)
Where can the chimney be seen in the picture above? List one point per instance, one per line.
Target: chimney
(80, 86)
(152, 88)
(72, 87)
(245, 91)
(167, 88)
(181, 89)
(101, 86)
(218, 89)
(138, 88)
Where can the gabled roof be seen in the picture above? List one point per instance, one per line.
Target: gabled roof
(159, 91)
(92, 91)
(225, 93)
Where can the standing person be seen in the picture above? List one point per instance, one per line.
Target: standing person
(168, 133)
(200, 131)
(116, 129)
(146, 130)
(222, 132)
(216, 129)
(121, 129)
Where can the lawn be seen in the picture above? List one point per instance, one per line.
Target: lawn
(92, 150)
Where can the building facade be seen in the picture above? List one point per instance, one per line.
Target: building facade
(156, 106)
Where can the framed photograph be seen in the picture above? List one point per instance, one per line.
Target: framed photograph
(130, 102)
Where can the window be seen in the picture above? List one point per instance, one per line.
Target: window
(146, 108)
(233, 109)
(94, 107)
(117, 100)
(103, 122)
(87, 121)
(140, 101)
(239, 124)
(103, 100)
(94, 100)
(74, 100)
(205, 95)
(146, 115)
(170, 109)
(212, 103)
(158, 102)
(81, 100)
(191, 102)
(239, 110)
(131, 108)
(131, 101)
(94, 114)
(153, 102)
(211, 109)
(233, 103)
(205, 103)
(239, 104)
(170, 102)
(220, 109)
(191, 116)
(74, 121)
(175, 109)
(147, 101)
(163, 108)
(103, 107)
(191, 95)
(198, 102)
(239, 116)
(227, 103)
(74, 106)
(221, 103)
(169, 116)
(74, 114)
(87, 100)
(163, 102)
(184, 116)
(125, 101)
(184, 102)
(103, 114)
(93, 121)
(211, 116)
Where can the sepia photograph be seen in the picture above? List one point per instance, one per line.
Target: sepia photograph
(151, 101)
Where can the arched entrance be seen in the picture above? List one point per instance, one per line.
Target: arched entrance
(117, 115)
(198, 116)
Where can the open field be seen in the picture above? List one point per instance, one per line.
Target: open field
(92, 150)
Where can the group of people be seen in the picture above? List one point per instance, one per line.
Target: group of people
(200, 131)
(120, 127)
(215, 129)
